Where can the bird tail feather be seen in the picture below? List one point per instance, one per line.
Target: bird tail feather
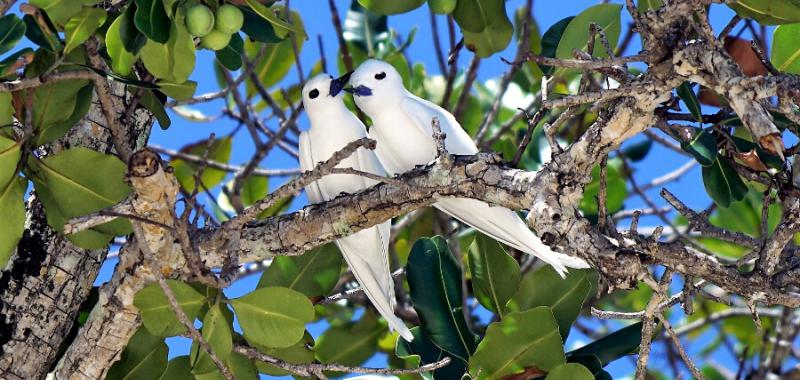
(364, 253)
(507, 227)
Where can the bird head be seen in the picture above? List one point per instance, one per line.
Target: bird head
(376, 84)
(324, 90)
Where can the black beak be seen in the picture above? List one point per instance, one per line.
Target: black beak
(337, 85)
(361, 90)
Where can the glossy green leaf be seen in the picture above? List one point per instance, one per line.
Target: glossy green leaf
(565, 297)
(495, 274)
(132, 39)
(280, 26)
(785, 50)
(59, 11)
(79, 181)
(172, 60)
(570, 371)
(145, 357)
(771, 160)
(12, 28)
(50, 101)
(689, 98)
(12, 213)
(522, 339)
(550, 40)
(434, 280)
(391, 7)
(576, 35)
(122, 59)
(178, 91)
(81, 26)
(157, 314)
(442, 6)
(723, 184)
(240, 366)
(254, 189)
(301, 352)
(9, 64)
(496, 30)
(616, 189)
(218, 332)
(367, 30)
(151, 19)
(624, 341)
(257, 28)
(47, 41)
(179, 368)
(10, 154)
(422, 351)
(220, 151)
(152, 103)
(703, 146)
(638, 151)
(769, 12)
(313, 273)
(273, 317)
(54, 131)
(352, 343)
(231, 55)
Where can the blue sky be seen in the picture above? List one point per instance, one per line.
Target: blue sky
(317, 21)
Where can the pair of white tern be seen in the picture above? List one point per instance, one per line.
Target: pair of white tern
(403, 132)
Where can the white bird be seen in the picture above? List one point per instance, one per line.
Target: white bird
(332, 127)
(402, 129)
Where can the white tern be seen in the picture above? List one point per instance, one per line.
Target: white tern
(332, 127)
(403, 131)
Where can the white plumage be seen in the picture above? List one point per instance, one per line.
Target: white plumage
(333, 127)
(402, 129)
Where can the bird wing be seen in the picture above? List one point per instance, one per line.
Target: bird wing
(421, 111)
(366, 253)
(368, 162)
(313, 191)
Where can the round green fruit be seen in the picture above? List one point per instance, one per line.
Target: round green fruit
(199, 20)
(229, 19)
(215, 40)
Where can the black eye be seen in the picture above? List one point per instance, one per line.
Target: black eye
(380, 75)
(313, 93)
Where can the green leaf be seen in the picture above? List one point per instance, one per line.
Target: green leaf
(81, 26)
(785, 50)
(218, 332)
(220, 151)
(12, 213)
(565, 297)
(9, 63)
(59, 11)
(10, 154)
(50, 101)
(300, 353)
(442, 6)
(550, 40)
(273, 317)
(179, 368)
(254, 189)
(315, 273)
(384, 7)
(485, 25)
(281, 27)
(54, 131)
(241, 367)
(231, 55)
(79, 181)
(157, 314)
(434, 280)
(12, 28)
(576, 35)
(122, 59)
(178, 91)
(47, 41)
(769, 12)
(150, 101)
(276, 61)
(350, 344)
(613, 346)
(616, 189)
(151, 19)
(495, 274)
(367, 30)
(423, 351)
(638, 151)
(723, 184)
(646, 5)
(145, 357)
(521, 340)
(688, 96)
(172, 60)
(132, 39)
(570, 371)
(703, 146)
(258, 28)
